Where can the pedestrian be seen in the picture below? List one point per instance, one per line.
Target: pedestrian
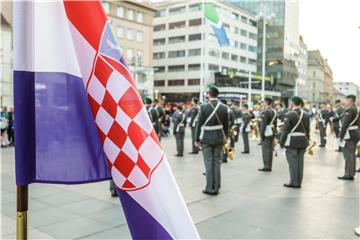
(193, 121)
(179, 130)
(153, 114)
(161, 117)
(350, 136)
(322, 120)
(336, 120)
(211, 132)
(237, 123)
(267, 133)
(245, 128)
(295, 138)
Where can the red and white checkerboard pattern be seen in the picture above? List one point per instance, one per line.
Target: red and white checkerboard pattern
(130, 142)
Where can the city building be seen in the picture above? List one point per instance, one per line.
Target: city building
(347, 88)
(132, 23)
(301, 88)
(282, 41)
(184, 42)
(319, 79)
(6, 50)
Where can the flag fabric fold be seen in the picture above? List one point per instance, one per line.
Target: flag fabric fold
(87, 121)
(216, 24)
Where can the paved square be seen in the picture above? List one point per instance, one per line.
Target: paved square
(252, 204)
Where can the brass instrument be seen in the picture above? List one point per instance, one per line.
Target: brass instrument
(230, 152)
(358, 150)
(254, 124)
(310, 149)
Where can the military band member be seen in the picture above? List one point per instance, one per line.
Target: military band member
(231, 124)
(322, 120)
(245, 127)
(179, 130)
(161, 116)
(194, 118)
(237, 123)
(267, 133)
(295, 138)
(153, 114)
(336, 119)
(211, 133)
(350, 133)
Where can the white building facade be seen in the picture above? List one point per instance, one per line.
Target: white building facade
(181, 36)
(301, 88)
(347, 88)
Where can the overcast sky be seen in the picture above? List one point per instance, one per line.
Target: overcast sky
(332, 26)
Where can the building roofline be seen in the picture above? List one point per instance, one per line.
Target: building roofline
(144, 5)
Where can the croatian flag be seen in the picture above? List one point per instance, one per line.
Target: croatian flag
(80, 118)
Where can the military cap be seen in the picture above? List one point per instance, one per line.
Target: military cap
(338, 101)
(353, 97)
(297, 100)
(148, 101)
(213, 90)
(268, 100)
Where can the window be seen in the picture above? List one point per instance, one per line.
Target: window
(176, 68)
(194, 7)
(243, 33)
(159, 41)
(195, 37)
(177, 10)
(252, 48)
(129, 55)
(243, 46)
(214, 53)
(227, 27)
(235, 16)
(252, 36)
(106, 7)
(252, 61)
(139, 36)
(193, 67)
(120, 32)
(236, 30)
(177, 82)
(130, 34)
(176, 25)
(192, 82)
(213, 67)
(225, 55)
(243, 59)
(140, 17)
(159, 69)
(194, 22)
(234, 57)
(176, 54)
(130, 14)
(177, 39)
(194, 52)
(252, 23)
(160, 13)
(120, 12)
(158, 55)
(139, 57)
(236, 44)
(244, 19)
(159, 83)
(226, 12)
(160, 27)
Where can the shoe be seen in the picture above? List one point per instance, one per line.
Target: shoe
(204, 173)
(178, 155)
(193, 152)
(346, 178)
(224, 161)
(245, 152)
(264, 170)
(291, 186)
(321, 146)
(338, 150)
(357, 170)
(210, 193)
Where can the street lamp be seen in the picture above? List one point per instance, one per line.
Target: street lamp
(265, 15)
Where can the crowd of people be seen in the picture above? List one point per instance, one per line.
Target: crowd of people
(216, 126)
(7, 127)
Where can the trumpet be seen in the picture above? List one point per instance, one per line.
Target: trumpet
(358, 150)
(310, 149)
(230, 152)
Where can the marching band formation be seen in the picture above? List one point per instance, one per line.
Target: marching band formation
(216, 126)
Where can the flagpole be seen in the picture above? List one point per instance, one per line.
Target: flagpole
(202, 79)
(21, 214)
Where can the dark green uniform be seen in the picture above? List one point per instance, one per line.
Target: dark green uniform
(231, 125)
(179, 132)
(322, 120)
(298, 133)
(268, 118)
(194, 118)
(210, 132)
(245, 129)
(350, 132)
(336, 120)
(237, 122)
(154, 117)
(161, 118)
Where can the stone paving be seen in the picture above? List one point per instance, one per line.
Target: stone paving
(252, 204)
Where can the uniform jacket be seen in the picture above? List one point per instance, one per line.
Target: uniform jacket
(246, 117)
(179, 122)
(337, 116)
(237, 114)
(267, 116)
(323, 114)
(213, 137)
(193, 115)
(154, 117)
(291, 119)
(161, 113)
(347, 118)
